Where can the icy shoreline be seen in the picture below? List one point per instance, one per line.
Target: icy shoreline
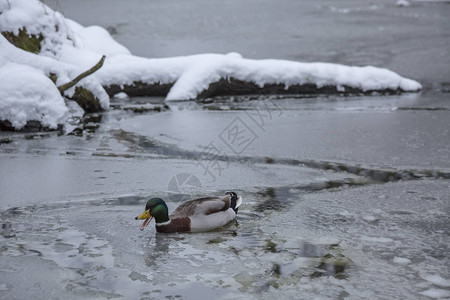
(67, 48)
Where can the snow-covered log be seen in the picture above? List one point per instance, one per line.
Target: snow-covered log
(208, 75)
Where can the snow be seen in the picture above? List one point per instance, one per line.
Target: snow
(96, 39)
(37, 18)
(90, 44)
(27, 94)
(69, 49)
(65, 72)
(17, 14)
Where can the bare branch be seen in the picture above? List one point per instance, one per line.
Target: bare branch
(70, 84)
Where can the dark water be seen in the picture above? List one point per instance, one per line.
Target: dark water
(344, 197)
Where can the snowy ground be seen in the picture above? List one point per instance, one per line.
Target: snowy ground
(344, 197)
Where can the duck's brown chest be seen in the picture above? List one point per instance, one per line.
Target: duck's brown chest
(175, 225)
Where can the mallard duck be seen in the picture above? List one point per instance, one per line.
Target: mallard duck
(196, 215)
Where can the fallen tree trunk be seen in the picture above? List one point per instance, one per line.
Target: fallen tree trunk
(235, 87)
(140, 89)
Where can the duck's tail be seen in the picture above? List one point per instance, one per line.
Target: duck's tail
(236, 201)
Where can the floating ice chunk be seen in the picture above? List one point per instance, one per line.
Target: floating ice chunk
(304, 262)
(325, 240)
(244, 278)
(377, 211)
(345, 213)
(436, 280)
(403, 3)
(288, 269)
(121, 96)
(401, 260)
(374, 239)
(370, 218)
(436, 293)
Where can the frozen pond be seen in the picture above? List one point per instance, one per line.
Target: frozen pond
(344, 197)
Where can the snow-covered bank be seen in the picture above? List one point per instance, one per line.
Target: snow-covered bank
(27, 92)
(27, 95)
(67, 49)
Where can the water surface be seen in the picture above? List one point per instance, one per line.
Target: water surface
(344, 197)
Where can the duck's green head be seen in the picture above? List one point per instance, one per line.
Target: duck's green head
(155, 208)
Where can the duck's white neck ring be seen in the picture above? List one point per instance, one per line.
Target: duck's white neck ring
(163, 223)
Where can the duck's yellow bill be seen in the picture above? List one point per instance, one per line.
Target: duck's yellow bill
(145, 216)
